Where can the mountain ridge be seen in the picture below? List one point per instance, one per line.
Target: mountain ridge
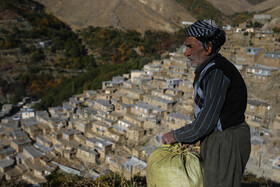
(139, 15)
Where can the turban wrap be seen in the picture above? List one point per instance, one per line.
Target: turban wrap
(207, 31)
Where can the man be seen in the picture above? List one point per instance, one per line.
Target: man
(220, 99)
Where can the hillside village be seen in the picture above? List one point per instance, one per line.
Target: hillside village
(117, 127)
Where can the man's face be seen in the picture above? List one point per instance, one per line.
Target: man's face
(195, 51)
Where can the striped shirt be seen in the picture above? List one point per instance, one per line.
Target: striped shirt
(209, 98)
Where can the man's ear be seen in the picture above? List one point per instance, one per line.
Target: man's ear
(209, 48)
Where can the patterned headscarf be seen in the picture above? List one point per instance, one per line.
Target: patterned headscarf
(205, 31)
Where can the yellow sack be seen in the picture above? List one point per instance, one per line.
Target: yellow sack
(172, 166)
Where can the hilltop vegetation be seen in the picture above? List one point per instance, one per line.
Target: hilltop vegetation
(37, 68)
(115, 52)
(74, 61)
(99, 53)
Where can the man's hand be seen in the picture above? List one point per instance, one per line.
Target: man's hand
(168, 138)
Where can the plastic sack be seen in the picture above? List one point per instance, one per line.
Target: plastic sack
(170, 165)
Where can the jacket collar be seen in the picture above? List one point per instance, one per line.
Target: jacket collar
(202, 66)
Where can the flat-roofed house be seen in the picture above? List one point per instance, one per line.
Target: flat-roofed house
(135, 133)
(102, 146)
(272, 59)
(177, 120)
(32, 153)
(9, 151)
(276, 122)
(6, 165)
(87, 154)
(133, 166)
(19, 144)
(103, 105)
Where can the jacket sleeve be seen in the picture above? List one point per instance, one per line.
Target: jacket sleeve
(216, 85)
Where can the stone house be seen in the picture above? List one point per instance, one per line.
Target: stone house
(186, 87)
(135, 133)
(129, 100)
(45, 129)
(253, 120)
(152, 69)
(133, 166)
(256, 113)
(252, 54)
(264, 39)
(134, 119)
(103, 105)
(111, 84)
(33, 154)
(123, 108)
(122, 125)
(44, 141)
(18, 134)
(159, 82)
(115, 116)
(151, 123)
(133, 93)
(129, 84)
(102, 146)
(33, 131)
(276, 122)
(106, 94)
(87, 154)
(272, 59)
(136, 73)
(173, 82)
(19, 144)
(114, 134)
(75, 102)
(6, 165)
(54, 111)
(143, 79)
(80, 138)
(9, 151)
(114, 162)
(56, 123)
(177, 72)
(176, 120)
(69, 134)
(27, 113)
(159, 102)
(88, 113)
(82, 125)
(260, 74)
(90, 94)
(99, 127)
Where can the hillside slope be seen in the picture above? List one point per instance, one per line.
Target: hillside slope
(269, 7)
(229, 7)
(141, 15)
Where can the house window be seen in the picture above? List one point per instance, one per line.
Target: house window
(252, 107)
